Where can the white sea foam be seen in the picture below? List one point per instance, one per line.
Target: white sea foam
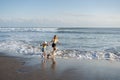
(77, 43)
(7, 29)
(18, 48)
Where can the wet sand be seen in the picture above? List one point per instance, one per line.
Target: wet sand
(13, 68)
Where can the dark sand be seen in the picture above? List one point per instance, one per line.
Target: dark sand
(13, 68)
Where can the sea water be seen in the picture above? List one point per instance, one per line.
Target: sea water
(80, 43)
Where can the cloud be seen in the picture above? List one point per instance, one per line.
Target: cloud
(92, 20)
(66, 20)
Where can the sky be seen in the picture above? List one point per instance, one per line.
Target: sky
(60, 13)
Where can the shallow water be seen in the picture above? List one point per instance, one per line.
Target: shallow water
(82, 43)
(74, 69)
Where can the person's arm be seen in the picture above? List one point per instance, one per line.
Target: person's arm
(50, 42)
(58, 42)
(47, 44)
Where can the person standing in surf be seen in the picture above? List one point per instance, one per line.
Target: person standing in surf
(44, 45)
(54, 42)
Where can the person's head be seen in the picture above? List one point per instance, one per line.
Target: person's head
(55, 37)
(45, 42)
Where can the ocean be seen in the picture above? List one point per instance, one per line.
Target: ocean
(80, 43)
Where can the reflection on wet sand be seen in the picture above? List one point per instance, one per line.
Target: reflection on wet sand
(53, 65)
(45, 62)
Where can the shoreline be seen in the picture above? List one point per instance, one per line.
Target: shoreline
(14, 68)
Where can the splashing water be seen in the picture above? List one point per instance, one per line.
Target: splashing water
(80, 43)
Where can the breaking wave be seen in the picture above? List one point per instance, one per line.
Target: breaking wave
(30, 29)
(61, 30)
(20, 48)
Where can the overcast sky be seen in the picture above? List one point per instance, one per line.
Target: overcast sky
(59, 13)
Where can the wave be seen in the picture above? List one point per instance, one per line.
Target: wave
(98, 55)
(1, 36)
(82, 32)
(62, 30)
(24, 29)
(90, 30)
(20, 48)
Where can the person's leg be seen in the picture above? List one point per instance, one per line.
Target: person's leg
(48, 56)
(53, 52)
(53, 60)
(55, 48)
(44, 53)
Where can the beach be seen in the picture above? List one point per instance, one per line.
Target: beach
(15, 68)
(80, 40)
(83, 54)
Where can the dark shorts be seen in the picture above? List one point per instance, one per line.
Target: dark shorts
(53, 45)
(43, 49)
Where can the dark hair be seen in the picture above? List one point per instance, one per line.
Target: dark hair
(55, 36)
